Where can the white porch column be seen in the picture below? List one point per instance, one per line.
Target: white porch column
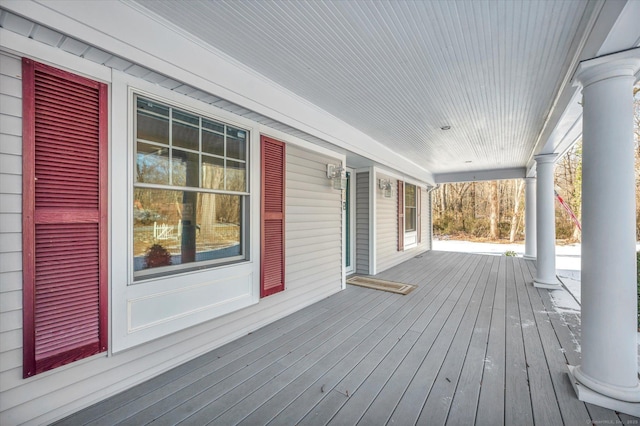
(546, 224)
(530, 218)
(608, 375)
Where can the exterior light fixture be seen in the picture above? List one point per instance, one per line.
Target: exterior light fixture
(445, 128)
(385, 185)
(338, 176)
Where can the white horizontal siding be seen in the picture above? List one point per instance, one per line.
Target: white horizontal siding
(313, 223)
(387, 254)
(10, 217)
(362, 223)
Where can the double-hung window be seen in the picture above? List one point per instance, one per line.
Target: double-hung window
(410, 216)
(190, 190)
(409, 212)
(410, 208)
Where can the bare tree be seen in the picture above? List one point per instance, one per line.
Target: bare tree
(515, 218)
(494, 232)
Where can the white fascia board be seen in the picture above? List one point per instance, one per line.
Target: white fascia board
(402, 177)
(481, 175)
(127, 31)
(568, 128)
(294, 140)
(626, 29)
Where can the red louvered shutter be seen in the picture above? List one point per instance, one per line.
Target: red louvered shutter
(64, 217)
(419, 213)
(400, 215)
(272, 217)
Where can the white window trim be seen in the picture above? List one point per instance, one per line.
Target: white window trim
(161, 272)
(411, 237)
(155, 307)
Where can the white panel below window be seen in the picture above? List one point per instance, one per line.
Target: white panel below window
(410, 240)
(155, 314)
(160, 308)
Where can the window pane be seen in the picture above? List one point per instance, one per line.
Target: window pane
(184, 167)
(212, 172)
(236, 176)
(182, 227)
(212, 143)
(185, 131)
(156, 220)
(152, 122)
(410, 195)
(152, 164)
(409, 219)
(221, 218)
(213, 126)
(236, 143)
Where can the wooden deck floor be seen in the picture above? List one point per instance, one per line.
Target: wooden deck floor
(474, 344)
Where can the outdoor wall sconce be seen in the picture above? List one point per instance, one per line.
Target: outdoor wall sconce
(338, 176)
(385, 185)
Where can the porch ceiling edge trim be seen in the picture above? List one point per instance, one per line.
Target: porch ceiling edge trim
(595, 29)
(481, 175)
(125, 31)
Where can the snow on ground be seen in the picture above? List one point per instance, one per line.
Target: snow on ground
(567, 267)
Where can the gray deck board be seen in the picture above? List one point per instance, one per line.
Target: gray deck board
(436, 408)
(628, 420)
(186, 391)
(222, 387)
(465, 400)
(296, 402)
(555, 355)
(475, 343)
(543, 399)
(381, 408)
(438, 340)
(491, 402)
(370, 365)
(162, 384)
(517, 403)
(256, 398)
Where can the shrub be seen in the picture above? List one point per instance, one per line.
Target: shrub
(157, 255)
(510, 253)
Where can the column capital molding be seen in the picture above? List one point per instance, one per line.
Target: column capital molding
(530, 179)
(620, 64)
(546, 158)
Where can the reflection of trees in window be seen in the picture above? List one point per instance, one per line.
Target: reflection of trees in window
(152, 164)
(212, 221)
(175, 151)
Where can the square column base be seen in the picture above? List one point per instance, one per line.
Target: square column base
(587, 395)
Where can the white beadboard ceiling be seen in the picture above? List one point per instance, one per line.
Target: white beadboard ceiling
(400, 70)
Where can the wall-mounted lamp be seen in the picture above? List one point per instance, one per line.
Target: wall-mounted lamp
(338, 176)
(385, 185)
